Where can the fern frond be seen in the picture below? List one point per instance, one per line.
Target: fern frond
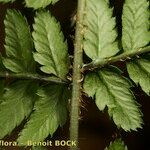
(100, 33)
(50, 112)
(136, 35)
(135, 22)
(118, 144)
(39, 3)
(17, 104)
(139, 72)
(18, 43)
(112, 90)
(50, 46)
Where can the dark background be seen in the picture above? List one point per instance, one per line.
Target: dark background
(96, 128)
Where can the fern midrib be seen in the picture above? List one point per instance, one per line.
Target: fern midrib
(133, 24)
(51, 52)
(42, 123)
(100, 27)
(141, 68)
(99, 46)
(20, 50)
(111, 93)
(51, 111)
(101, 78)
(13, 108)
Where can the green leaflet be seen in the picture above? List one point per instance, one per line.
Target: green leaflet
(6, 1)
(136, 35)
(39, 3)
(135, 22)
(17, 104)
(50, 112)
(100, 33)
(112, 90)
(18, 43)
(139, 71)
(118, 144)
(50, 46)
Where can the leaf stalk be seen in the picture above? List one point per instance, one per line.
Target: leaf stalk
(30, 76)
(100, 63)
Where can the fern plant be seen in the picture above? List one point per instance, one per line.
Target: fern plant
(38, 64)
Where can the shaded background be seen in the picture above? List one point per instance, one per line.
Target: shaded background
(96, 129)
